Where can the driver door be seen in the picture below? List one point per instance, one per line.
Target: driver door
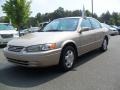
(86, 38)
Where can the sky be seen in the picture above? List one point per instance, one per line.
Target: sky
(45, 6)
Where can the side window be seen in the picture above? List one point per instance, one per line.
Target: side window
(86, 23)
(95, 23)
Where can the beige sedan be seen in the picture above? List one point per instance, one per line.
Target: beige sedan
(58, 43)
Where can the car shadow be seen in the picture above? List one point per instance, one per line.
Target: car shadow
(87, 57)
(16, 76)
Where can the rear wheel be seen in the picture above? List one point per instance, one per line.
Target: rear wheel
(68, 57)
(104, 46)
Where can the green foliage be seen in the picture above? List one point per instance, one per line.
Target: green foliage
(115, 18)
(4, 19)
(88, 13)
(112, 19)
(32, 22)
(59, 13)
(18, 11)
(105, 17)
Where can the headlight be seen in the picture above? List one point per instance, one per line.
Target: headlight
(41, 47)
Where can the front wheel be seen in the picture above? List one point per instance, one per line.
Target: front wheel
(67, 59)
(104, 46)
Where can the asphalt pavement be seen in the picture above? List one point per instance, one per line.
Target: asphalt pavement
(92, 71)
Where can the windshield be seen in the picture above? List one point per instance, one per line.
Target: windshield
(6, 27)
(66, 24)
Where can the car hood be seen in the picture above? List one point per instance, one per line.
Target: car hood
(113, 29)
(41, 38)
(8, 32)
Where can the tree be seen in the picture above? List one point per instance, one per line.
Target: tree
(88, 13)
(18, 11)
(105, 17)
(77, 13)
(68, 13)
(4, 19)
(115, 18)
(38, 17)
(59, 13)
(31, 22)
(95, 16)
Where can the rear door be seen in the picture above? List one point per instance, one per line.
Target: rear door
(98, 31)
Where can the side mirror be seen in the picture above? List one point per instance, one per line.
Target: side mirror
(83, 29)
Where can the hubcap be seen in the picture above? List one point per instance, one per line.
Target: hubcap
(69, 58)
(105, 44)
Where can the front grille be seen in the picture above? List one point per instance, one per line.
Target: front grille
(7, 35)
(18, 61)
(15, 48)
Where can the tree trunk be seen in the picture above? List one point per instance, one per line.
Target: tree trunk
(18, 29)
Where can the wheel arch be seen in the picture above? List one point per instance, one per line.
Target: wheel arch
(107, 38)
(70, 43)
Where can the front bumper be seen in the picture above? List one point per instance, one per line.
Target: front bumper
(4, 41)
(39, 59)
(114, 33)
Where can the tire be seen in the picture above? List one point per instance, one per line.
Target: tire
(67, 58)
(104, 46)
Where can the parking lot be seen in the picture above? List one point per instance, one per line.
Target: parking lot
(92, 71)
